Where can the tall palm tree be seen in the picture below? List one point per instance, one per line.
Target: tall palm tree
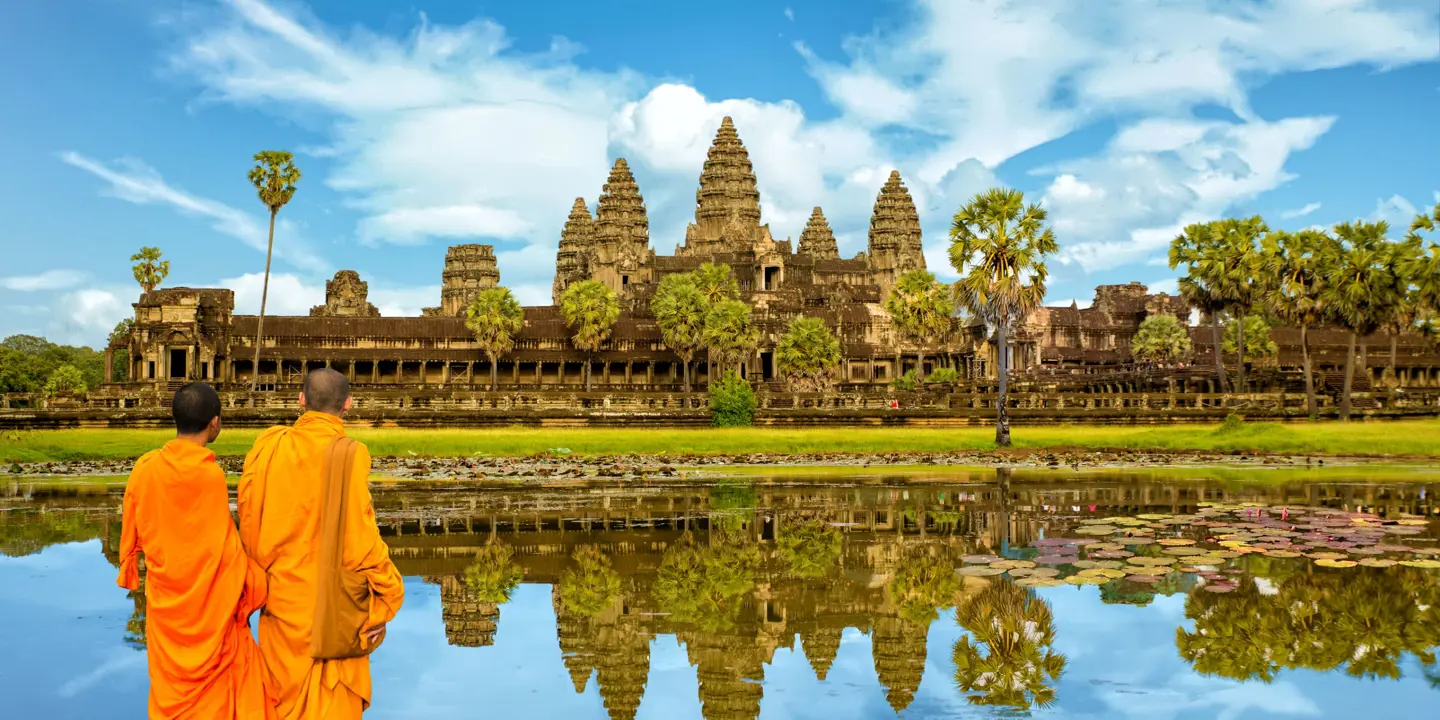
(1231, 267)
(1426, 272)
(149, 269)
(1403, 259)
(1160, 339)
(1361, 290)
(998, 245)
(274, 177)
(495, 318)
(730, 334)
(1017, 632)
(808, 354)
(921, 309)
(679, 311)
(1298, 263)
(590, 310)
(716, 282)
(1194, 248)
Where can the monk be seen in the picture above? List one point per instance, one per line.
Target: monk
(280, 504)
(200, 586)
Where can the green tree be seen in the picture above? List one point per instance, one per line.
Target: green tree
(1257, 337)
(1196, 249)
(1226, 256)
(1426, 273)
(1361, 292)
(590, 310)
(998, 245)
(732, 401)
(1160, 339)
(730, 335)
(1403, 259)
(119, 341)
(64, 380)
(591, 584)
(679, 310)
(493, 575)
(149, 269)
(495, 318)
(922, 585)
(808, 354)
(274, 177)
(809, 548)
(1299, 263)
(920, 309)
(1016, 631)
(716, 283)
(706, 585)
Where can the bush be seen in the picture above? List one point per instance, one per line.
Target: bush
(943, 376)
(905, 382)
(732, 402)
(65, 380)
(1233, 424)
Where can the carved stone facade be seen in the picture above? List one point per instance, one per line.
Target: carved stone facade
(468, 270)
(346, 296)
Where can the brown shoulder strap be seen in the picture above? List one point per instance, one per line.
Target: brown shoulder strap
(334, 496)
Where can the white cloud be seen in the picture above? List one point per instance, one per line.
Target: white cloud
(789, 14)
(1301, 211)
(286, 295)
(403, 301)
(47, 280)
(1396, 211)
(450, 133)
(1169, 286)
(86, 316)
(135, 182)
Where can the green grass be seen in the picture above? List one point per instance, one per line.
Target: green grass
(1412, 438)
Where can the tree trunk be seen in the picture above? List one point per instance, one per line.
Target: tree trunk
(920, 367)
(686, 373)
(1002, 412)
(1305, 367)
(588, 362)
(1349, 380)
(1240, 352)
(1219, 350)
(494, 373)
(264, 295)
(1394, 374)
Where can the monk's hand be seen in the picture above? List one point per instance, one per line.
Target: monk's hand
(374, 634)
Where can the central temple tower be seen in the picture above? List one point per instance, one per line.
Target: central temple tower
(727, 204)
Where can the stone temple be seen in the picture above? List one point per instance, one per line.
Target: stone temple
(188, 333)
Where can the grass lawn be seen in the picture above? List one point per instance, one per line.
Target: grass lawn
(1414, 438)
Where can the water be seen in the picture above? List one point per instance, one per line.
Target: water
(843, 600)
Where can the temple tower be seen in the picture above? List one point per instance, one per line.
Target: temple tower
(727, 204)
(817, 240)
(346, 295)
(622, 232)
(894, 247)
(468, 270)
(577, 242)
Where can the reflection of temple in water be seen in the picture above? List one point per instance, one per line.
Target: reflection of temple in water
(436, 535)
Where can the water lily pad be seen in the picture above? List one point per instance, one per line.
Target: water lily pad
(1044, 572)
(1365, 551)
(1378, 562)
(1394, 548)
(1325, 555)
(1427, 564)
(1110, 554)
(1055, 559)
(1096, 530)
(1012, 564)
(1282, 553)
(1326, 562)
(1219, 587)
(1206, 559)
(1102, 573)
(1019, 572)
(1151, 561)
(1104, 546)
(1181, 551)
(1133, 541)
(1145, 579)
(1039, 582)
(1086, 580)
(1175, 542)
(1413, 521)
(979, 559)
(1155, 516)
(1227, 554)
(980, 571)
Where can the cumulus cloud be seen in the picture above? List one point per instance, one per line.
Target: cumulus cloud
(86, 316)
(133, 181)
(47, 280)
(287, 295)
(449, 133)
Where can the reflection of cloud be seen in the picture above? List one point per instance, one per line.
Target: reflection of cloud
(1228, 698)
(118, 661)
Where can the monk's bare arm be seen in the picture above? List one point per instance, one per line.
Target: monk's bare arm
(365, 551)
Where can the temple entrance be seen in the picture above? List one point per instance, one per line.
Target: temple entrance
(772, 278)
(767, 366)
(177, 363)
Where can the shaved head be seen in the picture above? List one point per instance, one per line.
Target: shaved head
(326, 391)
(193, 407)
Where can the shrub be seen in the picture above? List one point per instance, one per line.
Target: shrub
(65, 380)
(732, 402)
(905, 382)
(943, 376)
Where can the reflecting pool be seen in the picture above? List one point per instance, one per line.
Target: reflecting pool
(936, 595)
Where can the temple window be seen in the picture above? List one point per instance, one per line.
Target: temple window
(772, 278)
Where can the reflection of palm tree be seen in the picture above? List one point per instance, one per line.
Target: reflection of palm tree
(705, 585)
(1232, 634)
(1015, 630)
(591, 585)
(922, 584)
(809, 549)
(494, 574)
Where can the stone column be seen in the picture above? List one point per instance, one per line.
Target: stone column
(629, 371)
(649, 373)
(374, 372)
(109, 366)
(540, 369)
(445, 374)
(470, 373)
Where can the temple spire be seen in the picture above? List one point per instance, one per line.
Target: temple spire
(817, 240)
(620, 219)
(727, 184)
(576, 241)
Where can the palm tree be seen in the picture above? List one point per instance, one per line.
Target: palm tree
(1361, 291)
(149, 269)
(998, 245)
(590, 309)
(591, 585)
(1194, 247)
(1255, 338)
(1160, 339)
(494, 574)
(1297, 261)
(1403, 259)
(495, 318)
(1229, 262)
(716, 282)
(274, 177)
(921, 308)
(1017, 632)
(729, 333)
(808, 354)
(679, 311)
(1426, 273)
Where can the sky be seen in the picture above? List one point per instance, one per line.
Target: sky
(131, 123)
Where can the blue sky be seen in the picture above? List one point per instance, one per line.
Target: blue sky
(132, 122)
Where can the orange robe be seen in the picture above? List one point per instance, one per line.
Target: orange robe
(200, 587)
(279, 522)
